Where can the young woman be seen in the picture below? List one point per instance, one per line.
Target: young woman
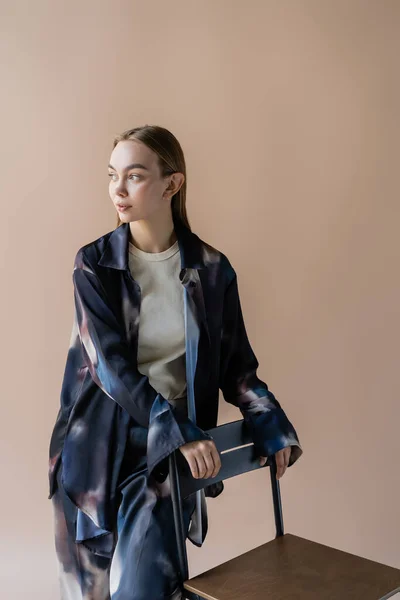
(145, 293)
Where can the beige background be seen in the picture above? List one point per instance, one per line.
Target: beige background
(288, 116)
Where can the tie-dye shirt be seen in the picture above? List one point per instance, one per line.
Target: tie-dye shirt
(103, 391)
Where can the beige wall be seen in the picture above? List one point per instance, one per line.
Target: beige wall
(288, 115)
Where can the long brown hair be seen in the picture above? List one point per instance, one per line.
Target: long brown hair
(170, 159)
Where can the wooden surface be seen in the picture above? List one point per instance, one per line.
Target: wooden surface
(293, 568)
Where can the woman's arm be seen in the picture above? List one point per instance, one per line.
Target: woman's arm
(269, 426)
(112, 367)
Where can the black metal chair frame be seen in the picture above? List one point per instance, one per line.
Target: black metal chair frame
(237, 456)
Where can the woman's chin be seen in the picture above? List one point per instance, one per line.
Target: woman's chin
(124, 217)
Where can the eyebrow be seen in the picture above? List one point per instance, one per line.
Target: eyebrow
(132, 166)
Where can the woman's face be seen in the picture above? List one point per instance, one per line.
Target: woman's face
(136, 182)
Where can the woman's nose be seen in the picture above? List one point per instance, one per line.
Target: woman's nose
(120, 189)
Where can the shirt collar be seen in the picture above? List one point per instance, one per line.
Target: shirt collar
(116, 252)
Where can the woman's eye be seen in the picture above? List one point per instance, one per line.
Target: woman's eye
(112, 175)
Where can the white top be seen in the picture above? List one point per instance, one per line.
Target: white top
(161, 344)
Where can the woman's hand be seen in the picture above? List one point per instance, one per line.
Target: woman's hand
(203, 458)
(282, 461)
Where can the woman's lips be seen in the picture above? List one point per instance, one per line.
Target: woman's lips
(122, 208)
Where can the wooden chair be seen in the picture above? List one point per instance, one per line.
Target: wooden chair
(286, 568)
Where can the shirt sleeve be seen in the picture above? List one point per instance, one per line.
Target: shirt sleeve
(109, 359)
(268, 424)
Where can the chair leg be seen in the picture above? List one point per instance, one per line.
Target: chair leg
(178, 517)
(276, 495)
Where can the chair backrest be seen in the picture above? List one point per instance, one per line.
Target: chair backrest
(237, 456)
(237, 453)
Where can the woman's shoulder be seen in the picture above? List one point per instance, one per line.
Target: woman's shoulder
(91, 252)
(215, 258)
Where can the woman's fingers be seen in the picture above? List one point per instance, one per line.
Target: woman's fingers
(282, 461)
(212, 460)
(194, 467)
(208, 464)
(203, 458)
(209, 459)
(217, 461)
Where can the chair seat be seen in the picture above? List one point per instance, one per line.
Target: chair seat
(293, 568)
